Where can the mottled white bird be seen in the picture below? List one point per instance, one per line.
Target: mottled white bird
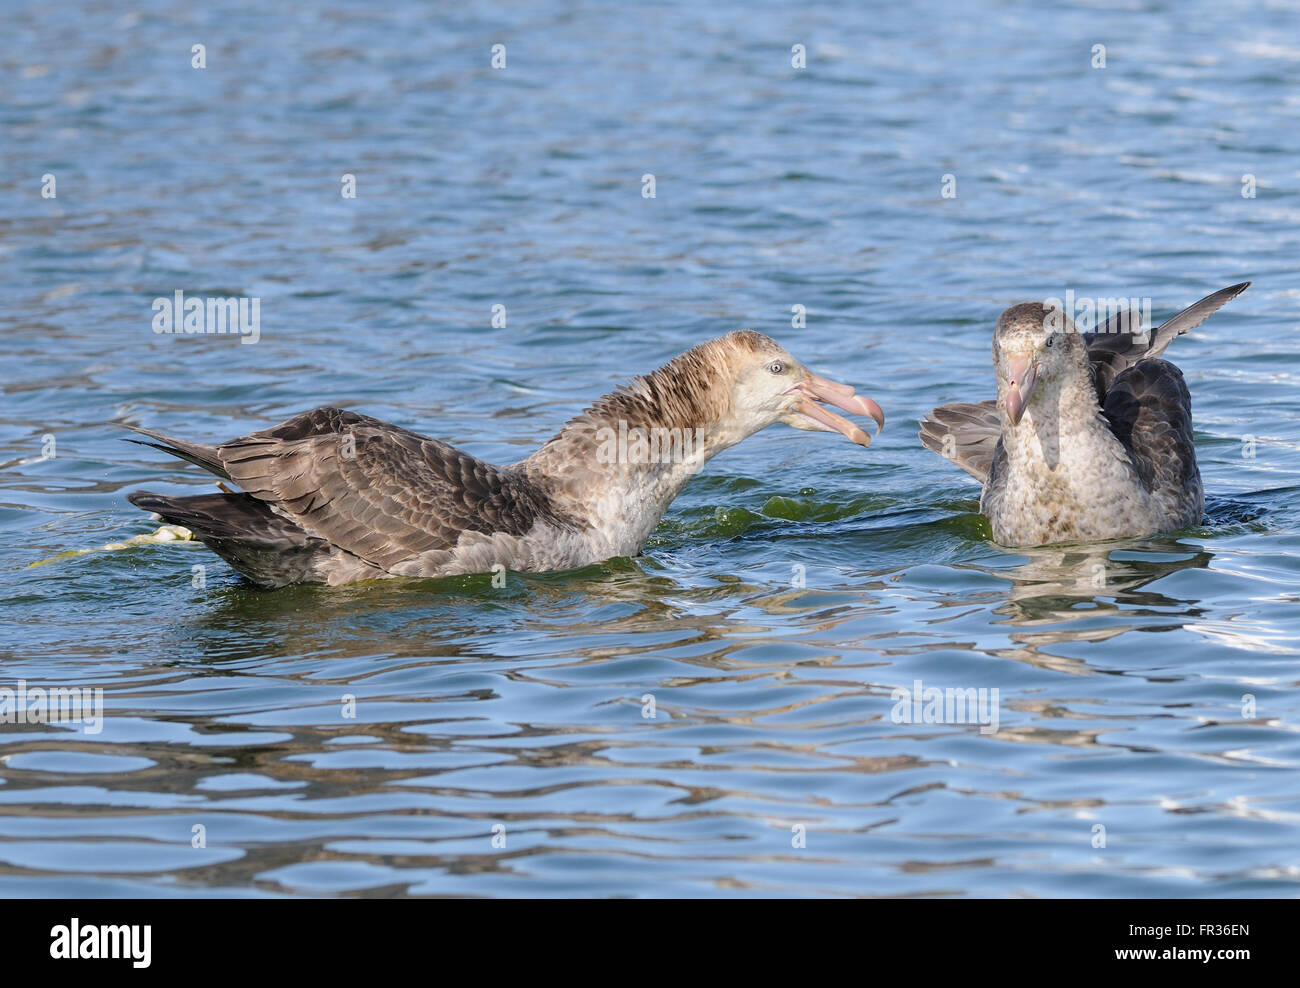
(1090, 436)
(332, 496)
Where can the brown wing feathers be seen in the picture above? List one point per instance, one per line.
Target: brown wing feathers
(372, 489)
(1150, 411)
(965, 432)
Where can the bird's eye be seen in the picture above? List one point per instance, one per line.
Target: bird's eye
(776, 367)
(1049, 340)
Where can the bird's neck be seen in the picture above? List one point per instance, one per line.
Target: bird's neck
(620, 463)
(1061, 424)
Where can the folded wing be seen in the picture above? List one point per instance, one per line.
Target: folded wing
(377, 491)
(1150, 411)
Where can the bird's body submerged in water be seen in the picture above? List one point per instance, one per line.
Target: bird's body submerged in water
(332, 496)
(1090, 437)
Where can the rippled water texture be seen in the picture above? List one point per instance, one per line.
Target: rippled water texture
(1121, 669)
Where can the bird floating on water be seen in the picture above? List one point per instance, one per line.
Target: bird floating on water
(1090, 436)
(332, 496)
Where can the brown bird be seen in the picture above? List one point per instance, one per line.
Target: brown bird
(1090, 436)
(333, 496)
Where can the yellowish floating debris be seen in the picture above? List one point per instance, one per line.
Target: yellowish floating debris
(167, 533)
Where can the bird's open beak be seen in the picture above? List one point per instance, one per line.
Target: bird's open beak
(1022, 375)
(811, 416)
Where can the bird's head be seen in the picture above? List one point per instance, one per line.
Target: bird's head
(768, 385)
(1035, 348)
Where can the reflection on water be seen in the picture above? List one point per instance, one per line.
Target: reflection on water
(1092, 594)
(716, 717)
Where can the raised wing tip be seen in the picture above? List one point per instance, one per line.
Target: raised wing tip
(1194, 315)
(1220, 297)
